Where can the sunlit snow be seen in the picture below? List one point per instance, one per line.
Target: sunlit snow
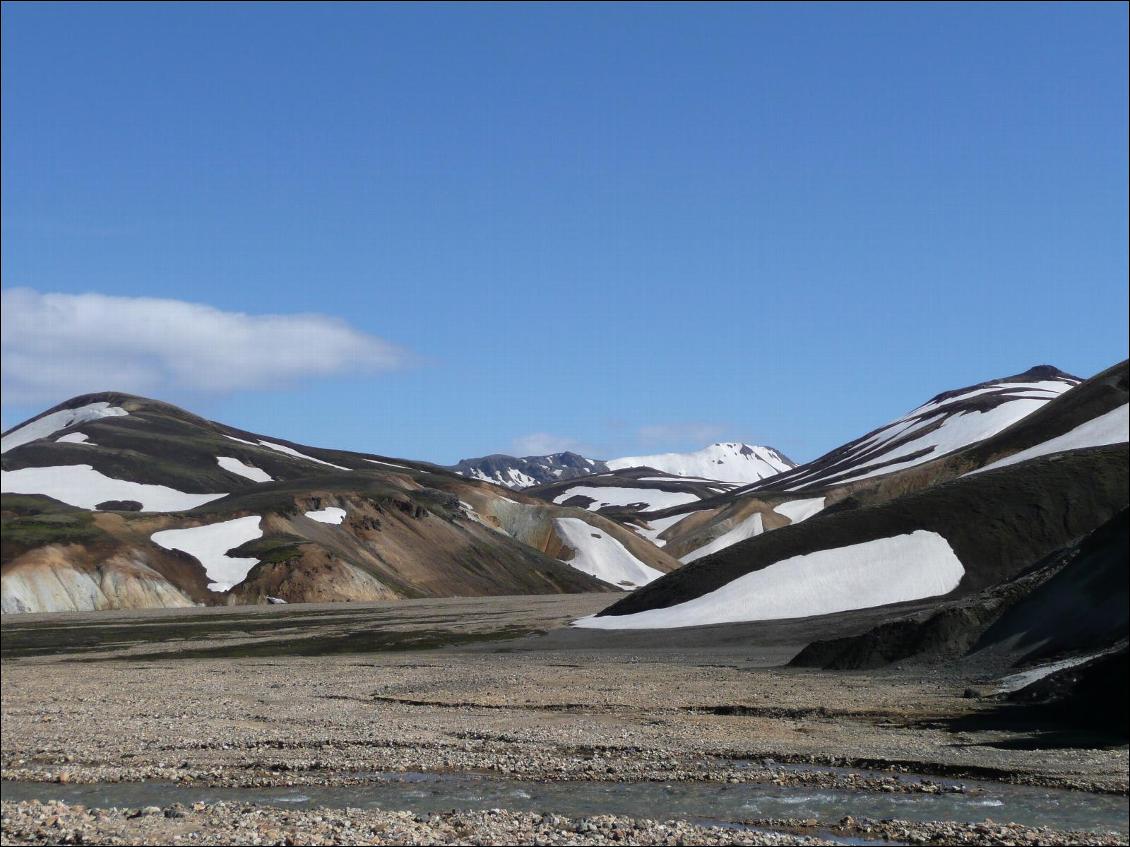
(653, 499)
(751, 526)
(598, 554)
(725, 462)
(82, 486)
(210, 543)
(873, 573)
(1111, 428)
(800, 510)
(52, 423)
(235, 466)
(330, 514)
(75, 438)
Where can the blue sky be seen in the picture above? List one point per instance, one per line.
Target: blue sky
(618, 228)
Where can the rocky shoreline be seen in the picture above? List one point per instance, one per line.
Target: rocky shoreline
(231, 823)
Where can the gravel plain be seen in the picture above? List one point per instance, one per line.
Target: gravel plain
(243, 697)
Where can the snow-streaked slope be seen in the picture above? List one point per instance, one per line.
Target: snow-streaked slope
(874, 573)
(289, 451)
(235, 466)
(210, 543)
(949, 422)
(330, 514)
(1111, 428)
(800, 510)
(751, 526)
(598, 554)
(652, 499)
(55, 421)
(75, 438)
(83, 486)
(727, 462)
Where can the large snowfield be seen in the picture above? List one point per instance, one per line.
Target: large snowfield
(52, 423)
(598, 554)
(210, 543)
(608, 495)
(725, 462)
(874, 573)
(1111, 428)
(83, 486)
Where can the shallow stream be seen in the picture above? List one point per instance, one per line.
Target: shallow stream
(698, 801)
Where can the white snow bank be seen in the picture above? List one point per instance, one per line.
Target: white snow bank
(289, 451)
(235, 466)
(874, 573)
(1016, 681)
(652, 498)
(729, 462)
(330, 514)
(598, 554)
(751, 526)
(75, 438)
(82, 486)
(210, 543)
(52, 423)
(1111, 428)
(800, 510)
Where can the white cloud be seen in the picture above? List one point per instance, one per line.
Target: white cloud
(58, 345)
(545, 443)
(680, 433)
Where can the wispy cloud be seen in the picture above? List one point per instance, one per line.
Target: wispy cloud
(545, 443)
(58, 345)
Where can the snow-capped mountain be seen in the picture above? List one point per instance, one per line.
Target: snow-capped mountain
(732, 462)
(1052, 468)
(117, 501)
(727, 461)
(947, 422)
(522, 472)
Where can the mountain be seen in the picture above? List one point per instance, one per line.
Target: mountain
(514, 472)
(725, 462)
(112, 500)
(894, 459)
(625, 494)
(964, 520)
(732, 462)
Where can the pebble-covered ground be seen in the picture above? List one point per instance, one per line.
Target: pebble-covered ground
(725, 715)
(225, 823)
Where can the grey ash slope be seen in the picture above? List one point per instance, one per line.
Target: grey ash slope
(998, 522)
(395, 528)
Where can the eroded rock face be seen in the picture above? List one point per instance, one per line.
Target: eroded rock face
(56, 579)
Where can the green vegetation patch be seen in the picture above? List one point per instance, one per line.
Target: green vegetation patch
(271, 549)
(21, 533)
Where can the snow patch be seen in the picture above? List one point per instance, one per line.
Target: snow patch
(800, 510)
(235, 466)
(652, 499)
(83, 486)
(751, 526)
(599, 554)
(289, 451)
(726, 462)
(52, 423)
(330, 514)
(1111, 428)
(75, 438)
(209, 545)
(873, 573)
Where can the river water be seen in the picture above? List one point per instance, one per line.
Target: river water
(713, 802)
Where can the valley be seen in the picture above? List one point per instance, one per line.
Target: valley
(473, 702)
